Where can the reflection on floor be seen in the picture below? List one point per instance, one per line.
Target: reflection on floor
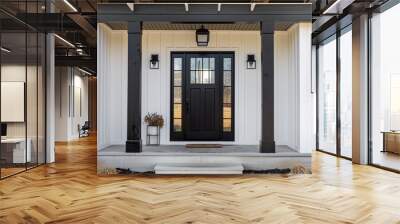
(387, 159)
(10, 171)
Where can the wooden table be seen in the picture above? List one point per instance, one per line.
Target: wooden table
(391, 141)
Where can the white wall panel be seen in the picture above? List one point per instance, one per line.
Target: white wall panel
(112, 89)
(294, 101)
(156, 83)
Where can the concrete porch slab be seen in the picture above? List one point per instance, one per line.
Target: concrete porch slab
(248, 156)
(199, 168)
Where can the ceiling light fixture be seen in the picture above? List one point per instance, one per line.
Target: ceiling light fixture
(202, 37)
(5, 50)
(70, 5)
(84, 71)
(64, 40)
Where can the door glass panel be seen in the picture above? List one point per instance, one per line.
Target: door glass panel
(199, 64)
(203, 71)
(227, 94)
(177, 110)
(177, 125)
(193, 64)
(212, 77)
(227, 125)
(206, 64)
(212, 63)
(177, 94)
(227, 111)
(177, 64)
(199, 77)
(177, 78)
(227, 78)
(206, 77)
(227, 64)
(192, 77)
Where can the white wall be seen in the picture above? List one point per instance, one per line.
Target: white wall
(294, 100)
(112, 66)
(112, 79)
(68, 81)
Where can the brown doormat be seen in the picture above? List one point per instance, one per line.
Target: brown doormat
(198, 146)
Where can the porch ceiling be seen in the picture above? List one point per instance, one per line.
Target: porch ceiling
(193, 26)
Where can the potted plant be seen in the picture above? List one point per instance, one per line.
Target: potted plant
(154, 122)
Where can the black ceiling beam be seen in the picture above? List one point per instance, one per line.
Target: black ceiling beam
(205, 12)
(49, 22)
(79, 61)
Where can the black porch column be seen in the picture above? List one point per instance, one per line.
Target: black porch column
(134, 142)
(267, 84)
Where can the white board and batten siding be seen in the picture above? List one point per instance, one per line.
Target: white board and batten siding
(112, 81)
(156, 83)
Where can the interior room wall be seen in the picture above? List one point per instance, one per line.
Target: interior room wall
(292, 75)
(70, 83)
(17, 73)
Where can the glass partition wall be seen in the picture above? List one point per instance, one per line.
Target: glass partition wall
(385, 90)
(334, 128)
(22, 88)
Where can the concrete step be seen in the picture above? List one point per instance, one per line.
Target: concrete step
(198, 168)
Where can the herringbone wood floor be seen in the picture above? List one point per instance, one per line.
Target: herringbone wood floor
(69, 191)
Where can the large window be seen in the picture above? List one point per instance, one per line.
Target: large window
(335, 94)
(346, 93)
(327, 96)
(385, 89)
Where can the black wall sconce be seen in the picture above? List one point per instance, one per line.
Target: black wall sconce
(154, 62)
(202, 37)
(251, 61)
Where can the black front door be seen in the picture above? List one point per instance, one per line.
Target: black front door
(201, 108)
(202, 100)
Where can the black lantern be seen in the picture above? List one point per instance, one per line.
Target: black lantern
(154, 63)
(251, 61)
(202, 37)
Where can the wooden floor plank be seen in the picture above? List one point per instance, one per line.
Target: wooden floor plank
(69, 191)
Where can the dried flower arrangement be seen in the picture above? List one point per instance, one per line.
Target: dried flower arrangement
(154, 119)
